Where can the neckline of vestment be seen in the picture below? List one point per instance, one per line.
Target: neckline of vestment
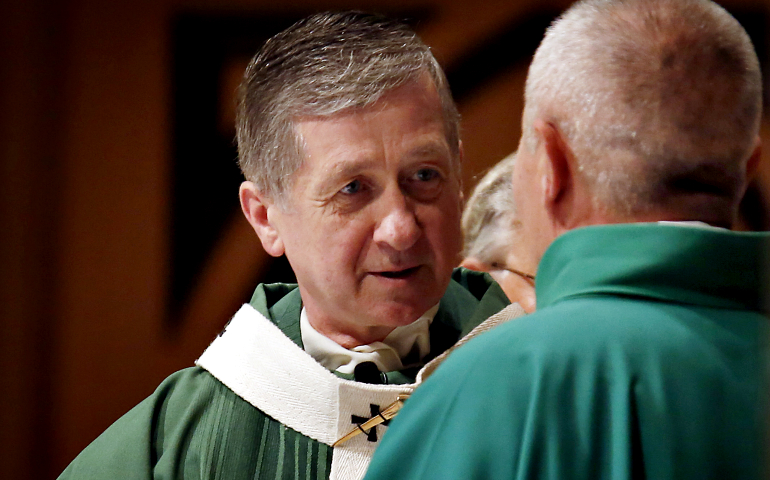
(406, 341)
(665, 262)
(470, 298)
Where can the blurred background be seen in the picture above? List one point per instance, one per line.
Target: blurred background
(122, 247)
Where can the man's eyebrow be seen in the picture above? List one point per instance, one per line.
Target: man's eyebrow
(344, 169)
(429, 149)
(350, 166)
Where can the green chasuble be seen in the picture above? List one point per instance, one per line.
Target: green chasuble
(646, 358)
(196, 427)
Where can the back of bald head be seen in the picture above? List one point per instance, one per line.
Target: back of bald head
(658, 100)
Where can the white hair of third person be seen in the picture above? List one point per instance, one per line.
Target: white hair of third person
(491, 236)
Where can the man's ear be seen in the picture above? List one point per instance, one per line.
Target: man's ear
(473, 263)
(258, 211)
(556, 175)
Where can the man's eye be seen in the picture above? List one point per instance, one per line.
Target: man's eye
(424, 184)
(426, 174)
(352, 187)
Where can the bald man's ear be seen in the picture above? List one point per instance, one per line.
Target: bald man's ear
(259, 212)
(555, 172)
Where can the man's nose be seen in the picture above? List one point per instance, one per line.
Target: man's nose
(398, 227)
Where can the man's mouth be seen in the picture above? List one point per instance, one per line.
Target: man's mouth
(400, 273)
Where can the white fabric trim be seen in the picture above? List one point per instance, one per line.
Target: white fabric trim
(263, 366)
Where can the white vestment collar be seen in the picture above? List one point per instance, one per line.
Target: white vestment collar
(263, 366)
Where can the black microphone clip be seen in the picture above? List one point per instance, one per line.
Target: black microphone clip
(367, 372)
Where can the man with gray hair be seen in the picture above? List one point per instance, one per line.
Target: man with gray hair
(648, 354)
(348, 138)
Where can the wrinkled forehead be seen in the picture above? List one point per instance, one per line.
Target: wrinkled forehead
(420, 97)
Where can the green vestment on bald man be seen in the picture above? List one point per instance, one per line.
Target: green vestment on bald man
(648, 357)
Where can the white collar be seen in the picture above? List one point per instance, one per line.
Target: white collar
(387, 354)
(260, 364)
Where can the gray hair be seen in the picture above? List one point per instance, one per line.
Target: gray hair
(489, 218)
(320, 66)
(656, 98)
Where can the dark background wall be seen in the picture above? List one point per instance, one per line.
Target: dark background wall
(122, 252)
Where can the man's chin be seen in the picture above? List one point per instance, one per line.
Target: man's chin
(397, 300)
